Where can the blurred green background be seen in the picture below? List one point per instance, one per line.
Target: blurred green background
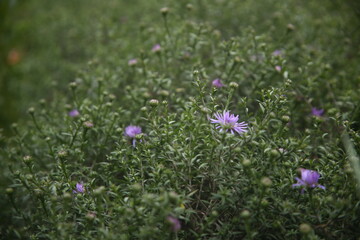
(43, 44)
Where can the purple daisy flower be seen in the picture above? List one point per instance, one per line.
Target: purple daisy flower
(79, 188)
(156, 48)
(227, 122)
(175, 223)
(278, 68)
(309, 178)
(74, 113)
(217, 83)
(131, 132)
(317, 112)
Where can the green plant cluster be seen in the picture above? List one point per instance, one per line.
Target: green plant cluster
(182, 178)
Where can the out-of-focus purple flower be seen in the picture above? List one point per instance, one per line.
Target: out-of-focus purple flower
(131, 132)
(74, 113)
(277, 52)
(175, 223)
(317, 112)
(156, 48)
(132, 62)
(309, 178)
(217, 83)
(227, 122)
(278, 68)
(79, 188)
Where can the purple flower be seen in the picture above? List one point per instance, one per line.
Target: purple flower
(156, 48)
(132, 62)
(131, 132)
(79, 188)
(309, 178)
(74, 113)
(175, 223)
(217, 83)
(227, 122)
(317, 112)
(277, 53)
(278, 68)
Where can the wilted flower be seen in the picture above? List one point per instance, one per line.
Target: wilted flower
(156, 48)
(278, 68)
(131, 132)
(132, 62)
(317, 112)
(74, 113)
(309, 178)
(217, 83)
(229, 122)
(175, 223)
(79, 188)
(88, 124)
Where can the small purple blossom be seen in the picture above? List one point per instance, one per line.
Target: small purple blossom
(317, 112)
(175, 223)
(131, 132)
(227, 122)
(277, 52)
(309, 178)
(156, 48)
(79, 188)
(278, 68)
(74, 113)
(132, 62)
(217, 83)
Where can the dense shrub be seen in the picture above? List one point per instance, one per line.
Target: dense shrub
(127, 146)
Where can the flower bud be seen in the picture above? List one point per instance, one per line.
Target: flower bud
(154, 102)
(189, 6)
(274, 153)
(233, 85)
(90, 216)
(264, 203)
(67, 196)
(14, 125)
(9, 190)
(31, 111)
(73, 85)
(290, 27)
(62, 154)
(246, 162)
(245, 214)
(285, 118)
(266, 182)
(27, 159)
(164, 11)
(305, 228)
(42, 102)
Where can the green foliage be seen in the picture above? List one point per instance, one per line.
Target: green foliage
(277, 60)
